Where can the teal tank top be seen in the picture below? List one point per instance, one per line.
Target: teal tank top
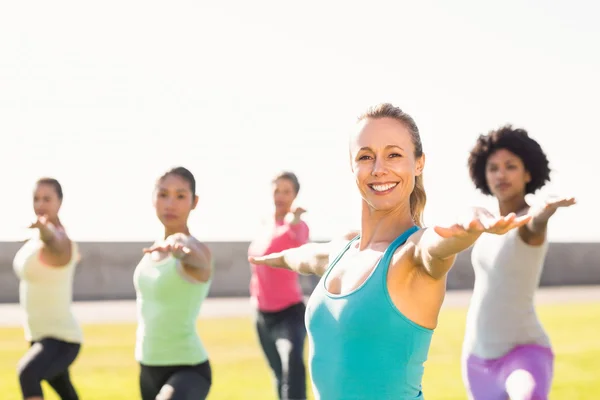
(361, 346)
(168, 305)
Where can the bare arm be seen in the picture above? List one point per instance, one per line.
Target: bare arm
(534, 232)
(308, 259)
(55, 239)
(438, 254)
(199, 258)
(437, 248)
(193, 255)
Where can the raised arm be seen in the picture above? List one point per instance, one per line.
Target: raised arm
(437, 248)
(534, 232)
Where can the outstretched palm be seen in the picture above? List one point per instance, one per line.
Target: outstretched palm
(483, 221)
(272, 260)
(549, 207)
(175, 244)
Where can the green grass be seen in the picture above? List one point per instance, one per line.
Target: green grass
(105, 368)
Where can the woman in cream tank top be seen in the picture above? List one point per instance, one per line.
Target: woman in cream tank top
(45, 266)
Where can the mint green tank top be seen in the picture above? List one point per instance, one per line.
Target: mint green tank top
(361, 346)
(168, 305)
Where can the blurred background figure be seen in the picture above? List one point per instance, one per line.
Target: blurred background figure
(506, 351)
(277, 295)
(172, 281)
(45, 266)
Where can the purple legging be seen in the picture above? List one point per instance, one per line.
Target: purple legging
(485, 379)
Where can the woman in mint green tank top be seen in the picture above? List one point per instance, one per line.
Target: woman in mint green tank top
(171, 282)
(371, 317)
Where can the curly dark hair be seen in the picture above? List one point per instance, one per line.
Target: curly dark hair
(516, 141)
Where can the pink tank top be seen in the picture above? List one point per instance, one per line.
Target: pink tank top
(274, 289)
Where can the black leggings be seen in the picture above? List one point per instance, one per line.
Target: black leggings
(282, 336)
(175, 382)
(48, 359)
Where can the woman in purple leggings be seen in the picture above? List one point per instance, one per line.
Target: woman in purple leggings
(506, 352)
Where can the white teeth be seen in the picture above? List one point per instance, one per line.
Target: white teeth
(383, 188)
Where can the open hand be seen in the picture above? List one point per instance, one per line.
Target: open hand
(41, 221)
(483, 221)
(272, 260)
(549, 207)
(298, 211)
(175, 244)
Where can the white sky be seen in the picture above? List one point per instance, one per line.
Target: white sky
(105, 96)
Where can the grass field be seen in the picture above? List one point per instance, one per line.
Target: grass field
(105, 368)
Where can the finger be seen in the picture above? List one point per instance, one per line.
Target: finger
(476, 225)
(161, 248)
(503, 222)
(176, 247)
(520, 221)
(567, 202)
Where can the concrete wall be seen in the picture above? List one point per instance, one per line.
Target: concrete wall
(106, 269)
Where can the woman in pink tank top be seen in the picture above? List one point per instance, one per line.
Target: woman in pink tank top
(277, 294)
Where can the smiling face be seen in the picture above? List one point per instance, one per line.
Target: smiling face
(384, 164)
(506, 175)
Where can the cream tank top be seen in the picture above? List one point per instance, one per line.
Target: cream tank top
(502, 311)
(46, 294)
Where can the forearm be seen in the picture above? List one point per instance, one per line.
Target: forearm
(442, 248)
(198, 259)
(201, 262)
(47, 234)
(297, 232)
(539, 223)
(437, 254)
(308, 259)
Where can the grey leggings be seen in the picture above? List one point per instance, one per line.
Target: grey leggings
(282, 336)
(48, 359)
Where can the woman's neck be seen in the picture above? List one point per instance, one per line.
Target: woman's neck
(512, 205)
(280, 215)
(56, 222)
(383, 226)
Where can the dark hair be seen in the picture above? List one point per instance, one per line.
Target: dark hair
(52, 182)
(418, 197)
(183, 173)
(516, 141)
(290, 176)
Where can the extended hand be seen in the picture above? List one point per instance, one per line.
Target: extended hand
(41, 221)
(172, 245)
(549, 207)
(483, 221)
(272, 260)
